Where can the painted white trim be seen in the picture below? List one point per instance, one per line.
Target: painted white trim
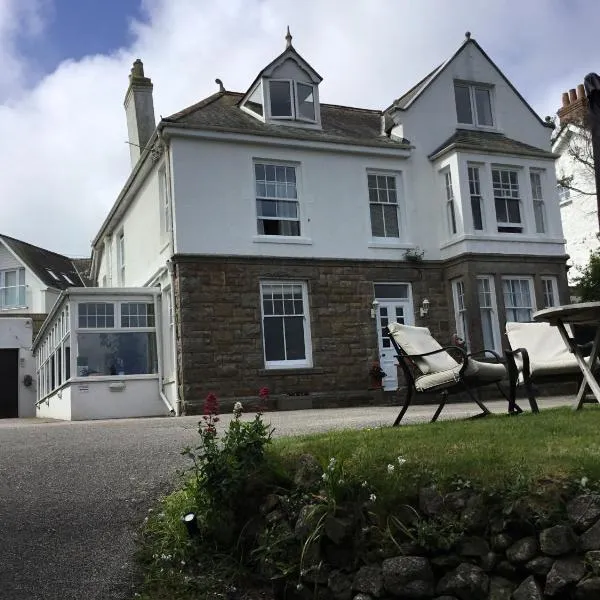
(289, 364)
(496, 335)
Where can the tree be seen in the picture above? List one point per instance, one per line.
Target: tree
(588, 283)
(581, 176)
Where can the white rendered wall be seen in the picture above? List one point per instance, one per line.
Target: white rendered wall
(16, 333)
(107, 400)
(57, 405)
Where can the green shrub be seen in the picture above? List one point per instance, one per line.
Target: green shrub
(588, 283)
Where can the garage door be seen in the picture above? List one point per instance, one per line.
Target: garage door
(9, 383)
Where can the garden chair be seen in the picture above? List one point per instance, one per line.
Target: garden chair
(538, 354)
(429, 367)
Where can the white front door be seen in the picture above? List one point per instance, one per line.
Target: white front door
(391, 311)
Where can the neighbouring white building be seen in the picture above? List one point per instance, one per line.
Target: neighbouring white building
(31, 279)
(275, 236)
(578, 204)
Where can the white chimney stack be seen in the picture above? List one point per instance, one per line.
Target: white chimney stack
(139, 109)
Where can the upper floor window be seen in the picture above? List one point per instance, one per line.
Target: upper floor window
(539, 210)
(475, 193)
(292, 100)
(276, 199)
(507, 200)
(473, 104)
(450, 208)
(12, 288)
(564, 193)
(383, 205)
(165, 202)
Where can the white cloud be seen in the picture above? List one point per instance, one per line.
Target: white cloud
(62, 140)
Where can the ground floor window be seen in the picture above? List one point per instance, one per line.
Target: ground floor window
(488, 314)
(116, 353)
(518, 298)
(285, 324)
(460, 310)
(550, 288)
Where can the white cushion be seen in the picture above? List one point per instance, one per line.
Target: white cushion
(418, 340)
(548, 353)
(475, 371)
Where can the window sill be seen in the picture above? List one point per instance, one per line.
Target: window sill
(293, 371)
(282, 239)
(390, 244)
(101, 378)
(13, 308)
(472, 127)
(504, 237)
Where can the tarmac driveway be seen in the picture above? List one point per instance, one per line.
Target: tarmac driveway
(73, 494)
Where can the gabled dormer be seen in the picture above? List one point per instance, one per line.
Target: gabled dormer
(286, 91)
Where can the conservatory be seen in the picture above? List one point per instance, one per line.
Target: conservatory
(98, 355)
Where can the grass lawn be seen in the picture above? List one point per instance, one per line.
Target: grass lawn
(498, 454)
(556, 443)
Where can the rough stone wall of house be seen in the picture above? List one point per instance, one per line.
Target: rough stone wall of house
(219, 341)
(468, 267)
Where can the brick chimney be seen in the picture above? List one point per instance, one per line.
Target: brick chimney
(574, 106)
(139, 109)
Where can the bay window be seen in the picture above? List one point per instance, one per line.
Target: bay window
(518, 298)
(507, 200)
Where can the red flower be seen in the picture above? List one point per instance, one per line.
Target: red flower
(211, 405)
(264, 393)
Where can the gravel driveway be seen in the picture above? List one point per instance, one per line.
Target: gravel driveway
(73, 494)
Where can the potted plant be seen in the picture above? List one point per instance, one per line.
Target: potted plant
(414, 254)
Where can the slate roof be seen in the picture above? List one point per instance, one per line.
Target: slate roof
(42, 261)
(340, 124)
(488, 142)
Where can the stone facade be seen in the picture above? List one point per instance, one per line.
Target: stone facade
(219, 333)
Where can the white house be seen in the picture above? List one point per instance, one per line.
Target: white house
(578, 205)
(281, 233)
(31, 279)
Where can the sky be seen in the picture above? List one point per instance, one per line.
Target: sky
(64, 66)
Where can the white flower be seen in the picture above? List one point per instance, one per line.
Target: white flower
(390, 469)
(372, 497)
(238, 409)
(331, 464)
(324, 477)
(341, 482)
(584, 481)
(299, 587)
(364, 484)
(401, 460)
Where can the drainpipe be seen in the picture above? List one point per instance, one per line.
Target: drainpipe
(179, 407)
(158, 313)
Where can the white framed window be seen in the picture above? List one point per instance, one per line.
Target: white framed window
(460, 310)
(12, 288)
(277, 206)
(507, 200)
(550, 290)
(473, 104)
(255, 102)
(383, 205)
(285, 324)
(450, 207)
(116, 338)
(539, 209)
(564, 194)
(121, 257)
(292, 100)
(518, 298)
(165, 202)
(488, 313)
(476, 201)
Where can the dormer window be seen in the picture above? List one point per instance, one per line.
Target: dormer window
(473, 104)
(292, 100)
(255, 101)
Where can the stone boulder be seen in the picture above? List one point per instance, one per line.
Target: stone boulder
(522, 550)
(564, 573)
(369, 580)
(473, 547)
(501, 541)
(308, 472)
(500, 588)
(558, 540)
(431, 502)
(590, 539)
(340, 585)
(409, 577)
(474, 517)
(466, 582)
(540, 565)
(338, 529)
(528, 590)
(588, 589)
(584, 511)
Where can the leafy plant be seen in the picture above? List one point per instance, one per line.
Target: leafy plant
(588, 283)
